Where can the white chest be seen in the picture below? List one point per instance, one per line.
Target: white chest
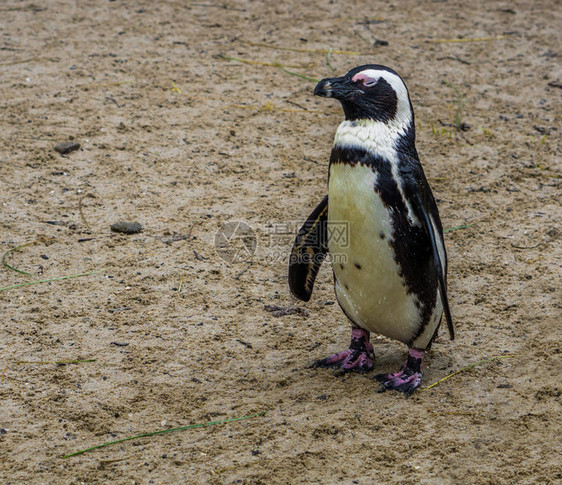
(368, 282)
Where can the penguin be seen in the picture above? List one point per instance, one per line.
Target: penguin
(379, 226)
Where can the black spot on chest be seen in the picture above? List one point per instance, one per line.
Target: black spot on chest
(410, 243)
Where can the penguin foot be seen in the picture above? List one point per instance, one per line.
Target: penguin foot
(356, 358)
(408, 379)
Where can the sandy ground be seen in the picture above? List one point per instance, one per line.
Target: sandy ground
(184, 141)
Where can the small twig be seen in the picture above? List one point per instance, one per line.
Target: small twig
(466, 368)
(223, 7)
(525, 247)
(243, 271)
(60, 278)
(182, 428)
(84, 239)
(106, 462)
(198, 257)
(304, 108)
(454, 58)
(278, 311)
(191, 228)
(109, 98)
(473, 39)
(23, 61)
(455, 413)
(80, 209)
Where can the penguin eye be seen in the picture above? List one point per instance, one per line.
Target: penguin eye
(369, 82)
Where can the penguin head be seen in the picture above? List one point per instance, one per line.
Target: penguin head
(370, 92)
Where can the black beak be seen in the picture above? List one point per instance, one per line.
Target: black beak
(335, 87)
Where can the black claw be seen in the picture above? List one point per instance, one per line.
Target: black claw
(409, 392)
(407, 389)
(318, 363)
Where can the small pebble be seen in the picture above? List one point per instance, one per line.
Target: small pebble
(127, 227)
(67, 147)
(44, 256)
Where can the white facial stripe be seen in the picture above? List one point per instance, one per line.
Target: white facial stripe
(403, 114)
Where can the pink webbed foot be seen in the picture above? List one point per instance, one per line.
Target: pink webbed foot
(408, 378)
(356, 358)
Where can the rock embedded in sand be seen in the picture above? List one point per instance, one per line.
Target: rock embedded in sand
(67, 147)
(127, 227)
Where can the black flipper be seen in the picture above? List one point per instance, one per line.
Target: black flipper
(308, 253)
(439, 265)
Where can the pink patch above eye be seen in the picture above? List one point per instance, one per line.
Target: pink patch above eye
(366, 80)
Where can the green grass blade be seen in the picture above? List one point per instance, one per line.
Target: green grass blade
(11, 251)
(154, 433)
(470, 366)
(300, 75)
(458, 227)
(60, 278)
(58, 362)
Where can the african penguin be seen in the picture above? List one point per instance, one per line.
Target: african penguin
(380, 225)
